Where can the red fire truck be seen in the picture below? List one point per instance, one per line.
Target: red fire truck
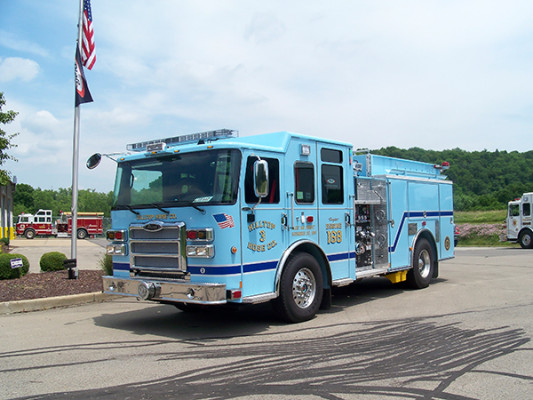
(41, 224)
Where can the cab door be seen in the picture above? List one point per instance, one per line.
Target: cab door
(513, 220)
(263, 236)
(335, 210)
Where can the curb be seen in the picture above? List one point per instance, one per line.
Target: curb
(11, 307)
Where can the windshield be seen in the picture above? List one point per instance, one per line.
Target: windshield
(206, 177)
(23, 219)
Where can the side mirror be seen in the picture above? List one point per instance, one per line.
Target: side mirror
(261, 178)
(94, 160)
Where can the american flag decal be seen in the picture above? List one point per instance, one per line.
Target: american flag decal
(224, 220)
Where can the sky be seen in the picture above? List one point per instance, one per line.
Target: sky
(438, 74)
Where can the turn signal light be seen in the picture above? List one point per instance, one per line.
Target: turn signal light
(200, 234)
(117, 236)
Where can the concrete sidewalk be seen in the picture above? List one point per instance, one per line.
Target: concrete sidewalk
(89, 251)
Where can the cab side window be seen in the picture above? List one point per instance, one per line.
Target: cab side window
(526, 209)
(273, 176)
(332, 177)
(304, 181)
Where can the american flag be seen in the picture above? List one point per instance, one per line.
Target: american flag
(88, 53)
(224, 220)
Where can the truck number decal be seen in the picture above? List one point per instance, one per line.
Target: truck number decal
(334, 237)
(334, 233)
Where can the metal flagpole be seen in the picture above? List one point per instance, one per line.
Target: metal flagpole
(75, 162)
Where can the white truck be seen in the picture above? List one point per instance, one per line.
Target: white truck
(519, 227)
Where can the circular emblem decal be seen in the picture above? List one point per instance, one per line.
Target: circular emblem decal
(447, 243)
(153, 226)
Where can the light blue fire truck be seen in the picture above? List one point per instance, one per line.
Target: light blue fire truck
(213, 218)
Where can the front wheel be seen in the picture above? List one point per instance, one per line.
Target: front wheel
(300, 290)
(419, 276)
(29, 234)
(526, 240)
(82, 233)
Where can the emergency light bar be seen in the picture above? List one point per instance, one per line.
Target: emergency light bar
(183, 139)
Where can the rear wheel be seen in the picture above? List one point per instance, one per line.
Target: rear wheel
(300, 291)
(526, 240)
(29, 234)
(82, 233)
(419, 276)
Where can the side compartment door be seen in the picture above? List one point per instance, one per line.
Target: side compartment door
(399, 255)
(446, 221)
(336, 209)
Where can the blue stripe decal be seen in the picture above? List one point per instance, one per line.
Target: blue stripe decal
(233, 269)
(340, 256)
(121, 267)
(262, 266)
(222, 270)
(414, 214)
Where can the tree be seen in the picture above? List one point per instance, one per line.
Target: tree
(5, 140)
(23, 199)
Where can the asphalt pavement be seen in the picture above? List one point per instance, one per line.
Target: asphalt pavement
(467, 336)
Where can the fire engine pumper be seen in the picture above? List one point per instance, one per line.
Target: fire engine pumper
(41, 224)
(519, 227)
(212, 218)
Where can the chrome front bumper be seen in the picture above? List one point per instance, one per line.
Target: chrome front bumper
(175, 290)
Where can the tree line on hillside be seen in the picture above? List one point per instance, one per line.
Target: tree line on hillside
(482, 180)
(29, 200)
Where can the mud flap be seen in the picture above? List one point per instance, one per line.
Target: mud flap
(326, 300)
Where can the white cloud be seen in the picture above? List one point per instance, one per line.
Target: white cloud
(11, 41)
(15, 68)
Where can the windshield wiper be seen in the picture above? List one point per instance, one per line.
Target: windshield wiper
(183, 203)
(160, 208)
(132, 210)
(198, 208)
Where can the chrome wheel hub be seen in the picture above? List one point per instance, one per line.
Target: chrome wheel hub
(424, 263)
(304, 288)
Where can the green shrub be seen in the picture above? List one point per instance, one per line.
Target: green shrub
(6, 272)
(52, 261)
(5, 240)
(106, 263)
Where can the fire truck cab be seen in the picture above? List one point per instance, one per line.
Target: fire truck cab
(29, 225)
(213, 218)
(519, 228)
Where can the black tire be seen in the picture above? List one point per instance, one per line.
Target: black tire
(82, 234)
(420, 275)
(526, 240)
(29, 234)
(300, 290)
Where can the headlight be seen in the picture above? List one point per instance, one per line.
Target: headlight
(201, 251)
(116, 249)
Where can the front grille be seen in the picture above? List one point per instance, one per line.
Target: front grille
(158, 248)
